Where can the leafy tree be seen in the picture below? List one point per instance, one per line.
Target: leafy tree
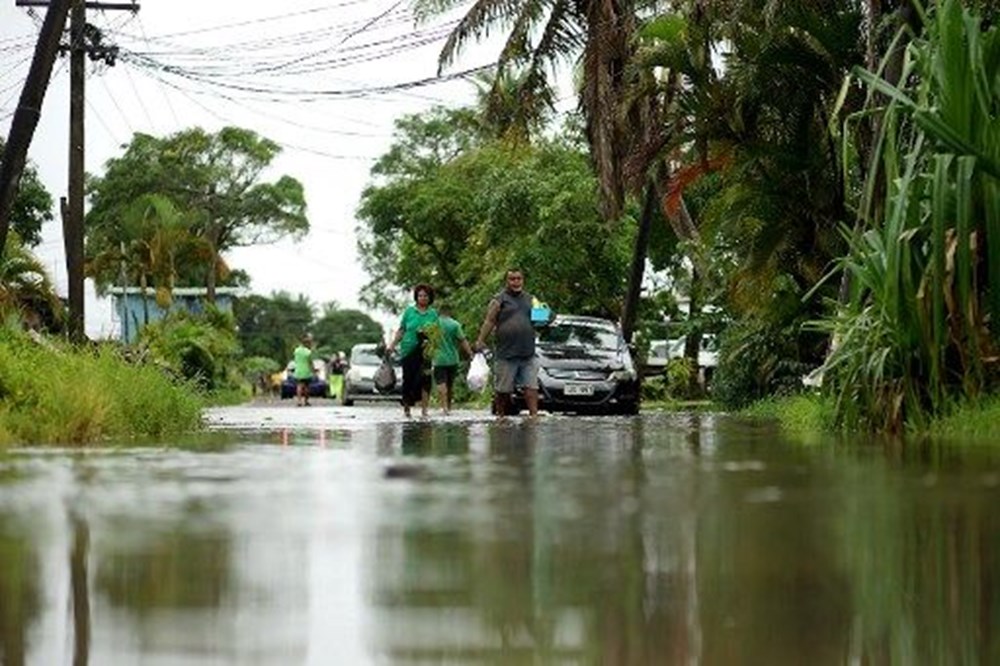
(339, 330)
(458, 224)
(271, 326)
(214, 180)
(32, 206)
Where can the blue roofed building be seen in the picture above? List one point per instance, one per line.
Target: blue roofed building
(132, 315)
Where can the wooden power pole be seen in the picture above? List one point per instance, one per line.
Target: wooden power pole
(73, 219)
(84, 40)
(29, 109)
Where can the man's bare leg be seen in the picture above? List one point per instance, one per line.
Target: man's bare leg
(501, 404)
(531, 399)
(425, 398)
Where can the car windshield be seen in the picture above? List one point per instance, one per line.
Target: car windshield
(365, 356)
(579, 334)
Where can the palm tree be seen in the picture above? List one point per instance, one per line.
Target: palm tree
(154, 237)
(541, 34)
(25, 288)
(503, 113)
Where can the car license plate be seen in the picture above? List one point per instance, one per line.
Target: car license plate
(578, 389)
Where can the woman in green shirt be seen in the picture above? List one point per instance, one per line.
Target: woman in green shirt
(409, 338)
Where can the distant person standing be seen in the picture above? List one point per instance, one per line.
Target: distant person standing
(447, 357)
(410, 337)
(303, 369)
(514, 364)
(338, 366)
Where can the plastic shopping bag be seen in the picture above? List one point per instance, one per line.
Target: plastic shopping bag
(385, 376)
(479, 372)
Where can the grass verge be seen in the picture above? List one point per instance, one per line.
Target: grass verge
(52, 393)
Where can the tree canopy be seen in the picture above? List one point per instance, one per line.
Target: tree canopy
(463, 219)
(32, 206)
(214, 181)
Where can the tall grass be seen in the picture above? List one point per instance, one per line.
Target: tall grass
(916, 335)
(55, 394)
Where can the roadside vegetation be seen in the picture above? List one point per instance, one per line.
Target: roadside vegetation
(54, 393)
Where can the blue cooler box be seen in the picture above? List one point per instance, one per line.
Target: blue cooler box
(541, 314)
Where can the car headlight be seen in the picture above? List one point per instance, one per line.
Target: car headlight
(623, 375)
(354, 375)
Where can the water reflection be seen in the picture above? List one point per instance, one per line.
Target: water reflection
(20, 594)
(79, 584)
(690, 539)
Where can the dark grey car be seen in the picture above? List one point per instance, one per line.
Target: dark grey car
(585, 367)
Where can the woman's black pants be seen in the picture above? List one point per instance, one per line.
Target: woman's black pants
(415, 380)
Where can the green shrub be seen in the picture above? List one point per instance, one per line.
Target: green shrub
(199, 348)
(756, 360)
(56, 394)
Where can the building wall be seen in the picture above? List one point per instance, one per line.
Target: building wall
(134, 317)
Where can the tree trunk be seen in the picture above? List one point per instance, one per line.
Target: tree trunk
(631, 305)
(692, 342)
(212, 269)
(143, 286)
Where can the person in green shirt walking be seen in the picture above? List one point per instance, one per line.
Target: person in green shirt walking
(303, 370)
(417, 319)
(451, 340)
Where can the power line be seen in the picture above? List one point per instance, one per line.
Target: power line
(267, 19)
(117, 106)
(161, 88)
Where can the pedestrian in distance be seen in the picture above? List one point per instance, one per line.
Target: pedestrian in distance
(338, 366)
(452, 340)
(303, 369)
(508, 316)
(414, 327)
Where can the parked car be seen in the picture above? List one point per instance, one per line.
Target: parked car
(585, 367)
(319, 387)
(359, 380)
(662, 351)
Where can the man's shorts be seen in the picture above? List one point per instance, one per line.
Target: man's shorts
(445, 374)
(511, 372)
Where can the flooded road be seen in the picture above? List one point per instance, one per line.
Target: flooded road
(333, 535)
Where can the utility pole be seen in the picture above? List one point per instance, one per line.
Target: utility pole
(29, 109)
(73, 221)
(84, 40)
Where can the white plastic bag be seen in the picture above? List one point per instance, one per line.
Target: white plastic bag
(479, 372)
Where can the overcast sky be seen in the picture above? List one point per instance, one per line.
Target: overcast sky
(323, 78)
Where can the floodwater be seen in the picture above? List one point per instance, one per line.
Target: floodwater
(333, 535)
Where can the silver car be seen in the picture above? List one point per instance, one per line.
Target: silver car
(359, 379)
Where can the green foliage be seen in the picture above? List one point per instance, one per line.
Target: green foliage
(53, 394)
(199, 348)
(917, 334)
(978, 420)
(673, 385)
(758, 359)
(214, 183)
(803, 414)
(338, 330)
(459, 223)
(272, 326)
(26, 292)
(32, 205)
